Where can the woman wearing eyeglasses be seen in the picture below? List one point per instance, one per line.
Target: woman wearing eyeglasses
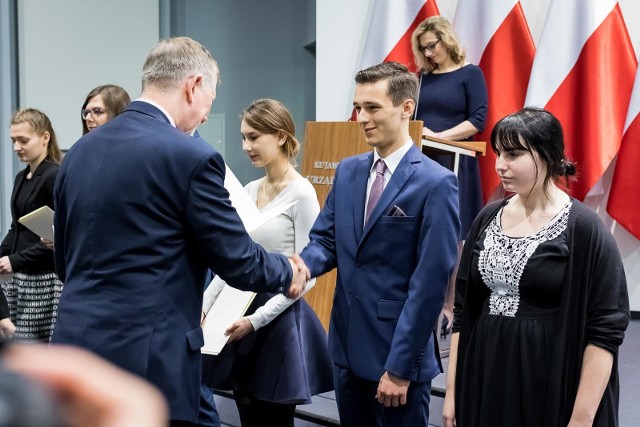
(453, 105)
(103, 104)
(34, 288)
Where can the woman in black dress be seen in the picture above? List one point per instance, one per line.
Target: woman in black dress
(541, 298)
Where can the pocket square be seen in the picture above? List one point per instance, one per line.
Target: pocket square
(396, 211)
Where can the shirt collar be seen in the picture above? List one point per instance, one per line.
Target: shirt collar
(159, 107)
(393, 160)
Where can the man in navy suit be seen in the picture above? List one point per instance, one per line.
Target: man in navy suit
(394, 258)
(141, 214)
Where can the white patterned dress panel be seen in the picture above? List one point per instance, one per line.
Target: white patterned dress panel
(504, 258)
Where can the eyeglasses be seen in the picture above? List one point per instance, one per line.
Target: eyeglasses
(429, 47)
(95, 112)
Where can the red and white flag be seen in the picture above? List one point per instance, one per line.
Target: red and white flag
(496, 37)
(389, 36)
(623, 206)
(583, 73)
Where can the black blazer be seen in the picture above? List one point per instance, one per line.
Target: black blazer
(26, 252)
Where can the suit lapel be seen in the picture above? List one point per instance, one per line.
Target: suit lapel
(360, 193)
(398, 180)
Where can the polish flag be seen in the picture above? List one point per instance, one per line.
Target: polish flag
(496, 37)
(583, 73)
(623, 206)
(389, 36)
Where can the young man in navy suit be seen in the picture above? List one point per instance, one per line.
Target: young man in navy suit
(391, 230)
(141, 214)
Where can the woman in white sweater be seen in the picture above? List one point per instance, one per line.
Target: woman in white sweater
(279, 355)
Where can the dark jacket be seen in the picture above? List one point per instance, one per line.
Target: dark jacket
(141, 215)
(24, 248)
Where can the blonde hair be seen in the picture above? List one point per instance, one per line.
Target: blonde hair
(269, 116)
(443, 30)
(40, 123)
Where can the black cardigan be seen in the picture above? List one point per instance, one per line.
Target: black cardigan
(26, 252)
(594, 310)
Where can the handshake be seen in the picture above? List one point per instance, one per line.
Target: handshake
(300, 276)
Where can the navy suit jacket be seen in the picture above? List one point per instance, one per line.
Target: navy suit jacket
(141, 213)
(393, 274)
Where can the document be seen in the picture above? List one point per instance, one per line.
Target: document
(249, 213)
(5, 277)
(40, 222)
(230, 303)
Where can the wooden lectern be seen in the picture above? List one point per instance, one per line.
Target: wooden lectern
(325, 144)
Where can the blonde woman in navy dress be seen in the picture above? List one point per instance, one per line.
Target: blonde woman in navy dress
(453, 105)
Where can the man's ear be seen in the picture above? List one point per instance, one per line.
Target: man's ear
(408, 107)
(191, 85)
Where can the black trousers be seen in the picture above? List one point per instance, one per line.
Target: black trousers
(255, 412)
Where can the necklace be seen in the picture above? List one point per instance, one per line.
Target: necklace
(263, 187)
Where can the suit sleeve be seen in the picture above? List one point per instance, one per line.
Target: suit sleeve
(437, 254)
(9, 239)
(219, 234)
(320, 253)
(5, 248)
(60, 212)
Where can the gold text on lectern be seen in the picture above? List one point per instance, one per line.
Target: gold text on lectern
(325, 165)
(320, 180)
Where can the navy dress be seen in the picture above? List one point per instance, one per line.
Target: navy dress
(447, 100)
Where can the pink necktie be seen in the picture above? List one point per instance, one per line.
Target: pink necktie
(376, 188)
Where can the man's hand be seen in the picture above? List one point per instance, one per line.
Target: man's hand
(7, 328)
(392, 391)
(5, 265)
(239, 329)
(300, 276)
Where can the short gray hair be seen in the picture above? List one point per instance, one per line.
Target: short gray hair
(174, 59)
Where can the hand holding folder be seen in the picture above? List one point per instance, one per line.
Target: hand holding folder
(40, 222)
